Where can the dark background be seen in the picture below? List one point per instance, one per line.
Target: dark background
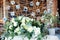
(59, 7)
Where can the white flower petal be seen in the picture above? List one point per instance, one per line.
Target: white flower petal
(17, 29)
(15, 24)
(30, 29)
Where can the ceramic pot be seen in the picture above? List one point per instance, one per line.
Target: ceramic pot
(51, 31)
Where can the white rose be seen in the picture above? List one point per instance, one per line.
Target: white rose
(37, 31)
(23, 20)
(27, 19)
(32, 19)
(17, 29)
(15, 24)
(10, 27)
(30, 29)
(23, 24)
(19, 18)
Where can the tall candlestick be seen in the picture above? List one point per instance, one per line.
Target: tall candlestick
(4, 17)
(4, 7)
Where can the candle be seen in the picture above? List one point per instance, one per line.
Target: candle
(4, 18)
(4, 7)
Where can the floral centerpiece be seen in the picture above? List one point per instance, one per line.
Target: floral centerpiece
(24, 27)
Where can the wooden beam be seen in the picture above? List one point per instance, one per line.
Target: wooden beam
(54, 7)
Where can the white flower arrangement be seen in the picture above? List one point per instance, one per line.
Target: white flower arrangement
(23, 26)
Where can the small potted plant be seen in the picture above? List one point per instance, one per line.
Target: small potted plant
(53, 21)
(49, 21)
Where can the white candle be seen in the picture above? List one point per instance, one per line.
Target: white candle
(4, 7)
(4, 17)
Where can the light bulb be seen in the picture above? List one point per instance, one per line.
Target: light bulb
(37, 3)
(12, 2)
(17, 6)
(31, 3)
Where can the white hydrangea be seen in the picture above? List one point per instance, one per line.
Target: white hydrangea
(30, 29)
(15, 24)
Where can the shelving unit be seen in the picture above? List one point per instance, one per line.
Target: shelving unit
(31, 9)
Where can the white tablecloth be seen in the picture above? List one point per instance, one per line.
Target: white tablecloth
(47, 37)
(50, 37)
